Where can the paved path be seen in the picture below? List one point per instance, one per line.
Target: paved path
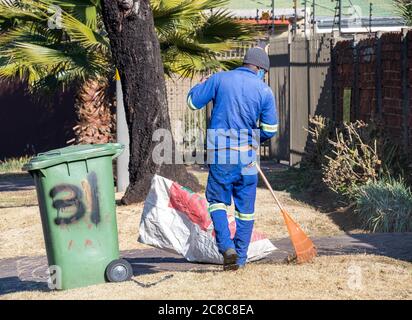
(29, 273)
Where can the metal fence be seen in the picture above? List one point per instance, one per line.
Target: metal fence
(189, 126)
(358, 77)
(186, 124)
(300, 78)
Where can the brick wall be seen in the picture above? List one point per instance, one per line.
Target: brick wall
(344, 73)
(379, 73)
(392, 83)
(366, 51)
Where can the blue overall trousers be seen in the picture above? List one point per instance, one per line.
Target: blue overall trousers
(237, 181)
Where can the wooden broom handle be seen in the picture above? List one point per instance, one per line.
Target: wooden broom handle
(269, 187)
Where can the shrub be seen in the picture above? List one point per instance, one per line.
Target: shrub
(351, 154)
(320, 131)
(354, 159)
(385, 206)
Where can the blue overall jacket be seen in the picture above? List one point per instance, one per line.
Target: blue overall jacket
(240, 101)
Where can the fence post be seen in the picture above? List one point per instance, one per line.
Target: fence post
(308, 48)
(378, 74)
(405, 91)
(334, 76)
(290, 96)
(356, 88)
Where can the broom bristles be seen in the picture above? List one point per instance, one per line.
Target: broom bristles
(304, 247)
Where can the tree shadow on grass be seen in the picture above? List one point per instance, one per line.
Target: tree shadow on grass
(17, 190)
(306, 186)
(149, 261)
(16, 182)
(15, 284)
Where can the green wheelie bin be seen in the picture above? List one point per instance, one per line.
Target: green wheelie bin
(75, 191)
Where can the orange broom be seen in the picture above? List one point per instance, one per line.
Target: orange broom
(304, 247)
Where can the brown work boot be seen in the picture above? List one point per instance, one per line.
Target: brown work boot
(229, 260)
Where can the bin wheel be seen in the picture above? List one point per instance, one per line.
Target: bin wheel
(119, 270)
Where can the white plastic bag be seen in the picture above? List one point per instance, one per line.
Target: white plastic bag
(177, 220)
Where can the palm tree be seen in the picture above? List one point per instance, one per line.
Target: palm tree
(191, 37)
(405, 10)
(48, 58)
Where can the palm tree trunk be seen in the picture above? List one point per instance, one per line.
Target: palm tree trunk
(136, 53)
(94, 115)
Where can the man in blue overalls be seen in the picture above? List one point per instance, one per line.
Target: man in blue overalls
(241, 99)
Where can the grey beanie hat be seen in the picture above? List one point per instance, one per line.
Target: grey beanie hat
(258, 57)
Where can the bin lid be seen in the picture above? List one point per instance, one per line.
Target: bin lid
(73, 153)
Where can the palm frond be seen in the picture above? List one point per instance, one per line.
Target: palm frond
(220, 27)
(30, 33)
(85, 11)
(230, 64)
(81, 33)
(9, 3)
(404, 9)
(186, 57)
(33, 54)
(75, 46)
(19, 10)
(183, 14)
(22, 71)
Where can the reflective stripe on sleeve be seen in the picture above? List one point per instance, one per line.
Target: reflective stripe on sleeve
(190, 103)
(269, 127)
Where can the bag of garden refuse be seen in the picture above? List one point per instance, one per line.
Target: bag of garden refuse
(176, 219)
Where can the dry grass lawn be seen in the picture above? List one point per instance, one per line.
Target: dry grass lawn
(343, 277)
